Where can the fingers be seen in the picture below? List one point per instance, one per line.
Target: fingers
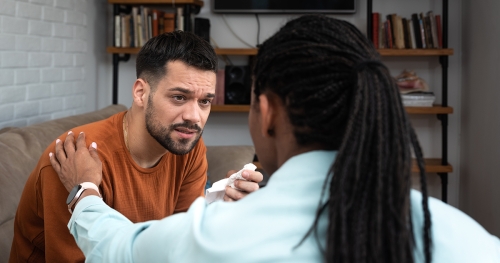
(232, 194)
(60, 150)
(246, 186)
(55, 163)
(69, 144)
(81, 144)
(93, 152)
(80, 141)
(243, 188)
(253, 176)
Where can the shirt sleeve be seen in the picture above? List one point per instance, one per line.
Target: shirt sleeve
(60, 246)
(104, 235)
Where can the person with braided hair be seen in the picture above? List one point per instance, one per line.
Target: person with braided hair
(328, 124)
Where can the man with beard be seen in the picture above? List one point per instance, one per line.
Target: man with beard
(154, 160)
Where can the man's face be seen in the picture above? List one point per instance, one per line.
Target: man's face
(178, 109)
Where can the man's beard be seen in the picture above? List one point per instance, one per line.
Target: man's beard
(163, 135)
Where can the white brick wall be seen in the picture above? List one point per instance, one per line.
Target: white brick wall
(43, 47)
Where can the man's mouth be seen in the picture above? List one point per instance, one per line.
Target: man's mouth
(185, 130)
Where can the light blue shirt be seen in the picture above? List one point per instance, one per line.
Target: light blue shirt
(266, 226)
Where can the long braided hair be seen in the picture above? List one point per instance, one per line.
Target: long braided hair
(339, 95)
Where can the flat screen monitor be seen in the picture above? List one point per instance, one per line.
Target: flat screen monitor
(283, 6)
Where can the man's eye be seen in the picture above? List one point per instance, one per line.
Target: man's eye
(178, 98)
(205, 102)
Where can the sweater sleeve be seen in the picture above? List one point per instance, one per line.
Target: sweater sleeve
(60, 246)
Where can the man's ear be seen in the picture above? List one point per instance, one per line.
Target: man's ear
(140, 92)
(267, 115)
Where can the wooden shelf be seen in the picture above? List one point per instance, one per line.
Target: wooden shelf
(218, 51)
(415, 52)
(236, 51)
(433, 165)
(123, 50)
(149, 2)
(436, 109)
(230, 108)
(253, 51)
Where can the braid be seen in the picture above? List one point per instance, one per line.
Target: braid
(339, 95)
(425, 203)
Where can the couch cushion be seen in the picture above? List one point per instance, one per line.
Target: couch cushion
(221, 159)
(20, 149)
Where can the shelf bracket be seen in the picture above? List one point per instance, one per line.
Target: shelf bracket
(116, 60)
(443, 118)
(444, 187)
(196, 9)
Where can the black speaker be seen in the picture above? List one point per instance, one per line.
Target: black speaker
(202, 28)
(237, 85)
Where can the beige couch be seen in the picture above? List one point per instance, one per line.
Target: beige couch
(20, 149)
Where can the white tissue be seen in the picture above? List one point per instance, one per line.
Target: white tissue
(217, 191)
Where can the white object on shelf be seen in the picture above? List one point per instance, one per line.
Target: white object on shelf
(418, 99)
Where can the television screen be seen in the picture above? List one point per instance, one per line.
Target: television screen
(283, 6)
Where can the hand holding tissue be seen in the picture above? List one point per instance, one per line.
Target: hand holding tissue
(217, 191)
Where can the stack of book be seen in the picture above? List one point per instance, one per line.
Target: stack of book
(135, 28)
(419, 31)
(418, 99)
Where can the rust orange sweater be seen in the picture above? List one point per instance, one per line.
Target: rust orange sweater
(40, 227)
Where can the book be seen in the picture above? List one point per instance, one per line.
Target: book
(418, 99)
(135, 18)
(150, 27)
(144, 24)
(154, 23)
(392, 27)
(180, 19)
(416, 30)
(399, 37)
(411, 31)
(439, 31)
(375, 28)
(432, 19)
(388, 34)
(131, 30)
(139, 31)
(406, 34)
(117, 38)
(161, 27)
(422, 33)
(169, 22)
(427, 30)
(125, 25)
(381, 36)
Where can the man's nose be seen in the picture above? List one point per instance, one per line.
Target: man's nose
(192, 113)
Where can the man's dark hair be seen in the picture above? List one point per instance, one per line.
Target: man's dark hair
(178, 45)
(339, 95)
